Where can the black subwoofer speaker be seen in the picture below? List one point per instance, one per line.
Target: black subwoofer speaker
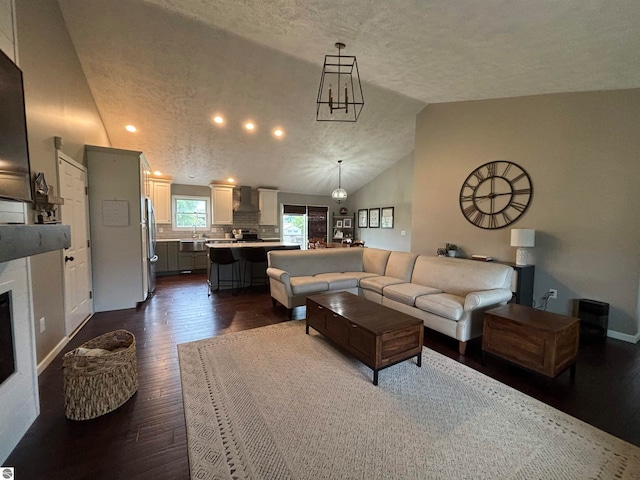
(594, 318)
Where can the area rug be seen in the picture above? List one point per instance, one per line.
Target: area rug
(275, 403)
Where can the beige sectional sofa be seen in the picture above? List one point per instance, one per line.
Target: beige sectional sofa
(449, 295)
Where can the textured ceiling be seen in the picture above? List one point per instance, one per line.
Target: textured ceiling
(167, 66)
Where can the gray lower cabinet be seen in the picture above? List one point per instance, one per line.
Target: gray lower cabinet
(167, 257)
(192, 261)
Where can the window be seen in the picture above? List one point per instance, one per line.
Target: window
(302, 223)
(190, 212)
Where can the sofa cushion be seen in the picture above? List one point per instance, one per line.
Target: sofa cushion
(459, 276)
(400, 265)
(311, 262)
(376, 284)
(359, 275)
(443, 304)
(407, 292)
(338, 281)
(374, 260)
(305, 285)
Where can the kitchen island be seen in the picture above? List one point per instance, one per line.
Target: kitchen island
(251, 269)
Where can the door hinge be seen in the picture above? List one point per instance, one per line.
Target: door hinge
(88, 243)
(86, 190)
(90, 294)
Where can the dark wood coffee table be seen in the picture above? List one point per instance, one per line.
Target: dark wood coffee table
(540, 341)
(376, 335)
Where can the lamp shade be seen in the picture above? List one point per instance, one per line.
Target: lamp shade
(523, 237)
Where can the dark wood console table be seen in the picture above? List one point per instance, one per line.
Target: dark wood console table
(376, 335)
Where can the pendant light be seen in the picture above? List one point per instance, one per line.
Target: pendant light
(340, 94)
(339, 195)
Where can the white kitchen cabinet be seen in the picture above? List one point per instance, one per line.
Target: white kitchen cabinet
(268, 205)
(222, 204)
(161, 198)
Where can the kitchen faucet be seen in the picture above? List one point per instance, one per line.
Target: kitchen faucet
(195, 235)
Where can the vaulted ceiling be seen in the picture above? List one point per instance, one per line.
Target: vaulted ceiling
(168, 66)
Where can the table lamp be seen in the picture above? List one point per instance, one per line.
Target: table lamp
(522, 238)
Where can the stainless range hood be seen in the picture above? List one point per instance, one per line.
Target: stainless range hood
(245, 201)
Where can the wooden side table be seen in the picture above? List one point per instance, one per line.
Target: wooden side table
(540, 341)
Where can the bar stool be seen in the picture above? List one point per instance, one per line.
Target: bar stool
(252, 255)
(223, 256)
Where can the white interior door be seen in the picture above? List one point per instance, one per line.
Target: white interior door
(78, 304)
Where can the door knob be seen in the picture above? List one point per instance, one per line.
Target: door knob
(68, 259)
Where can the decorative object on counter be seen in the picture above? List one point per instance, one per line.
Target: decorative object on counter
(46, 203)
(374, 218)
(441, 252)
(523, 238)
(363, 218)
(387, 218)
(339, 105)
(339, 195)
(451, 248)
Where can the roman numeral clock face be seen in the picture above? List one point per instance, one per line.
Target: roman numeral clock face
(495, 194)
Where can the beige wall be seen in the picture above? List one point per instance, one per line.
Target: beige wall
(392, 188)
(581, 151)
(58, 103)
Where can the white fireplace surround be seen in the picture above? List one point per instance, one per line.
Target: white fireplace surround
(19, 400)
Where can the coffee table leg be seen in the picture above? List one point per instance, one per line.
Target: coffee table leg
(375, 377)
(307, 328)
(419, 359)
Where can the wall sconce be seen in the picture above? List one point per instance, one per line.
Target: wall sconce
(523, 238)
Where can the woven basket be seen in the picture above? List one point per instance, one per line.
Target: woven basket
(95, 385)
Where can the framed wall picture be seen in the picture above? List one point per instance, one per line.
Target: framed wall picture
(346, 223)
(374, 218)
(339, 224)
(386, 220)
(363, 218)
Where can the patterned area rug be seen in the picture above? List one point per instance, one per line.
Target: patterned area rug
(274, 403)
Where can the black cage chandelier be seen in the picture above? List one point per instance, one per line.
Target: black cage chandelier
(340, 94)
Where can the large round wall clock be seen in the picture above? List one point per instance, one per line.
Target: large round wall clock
(495, 194)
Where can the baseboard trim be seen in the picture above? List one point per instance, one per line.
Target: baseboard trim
(52, 354)
(623, 336)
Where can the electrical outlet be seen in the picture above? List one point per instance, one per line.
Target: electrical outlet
(42, 325)
(276, 230)
(553, 292)
(403, 233)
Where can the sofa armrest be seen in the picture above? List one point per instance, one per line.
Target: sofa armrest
(485, 298)
(278, 274)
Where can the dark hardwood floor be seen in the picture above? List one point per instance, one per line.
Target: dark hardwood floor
(146, 437)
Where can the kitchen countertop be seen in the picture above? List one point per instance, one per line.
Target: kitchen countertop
(250, 244)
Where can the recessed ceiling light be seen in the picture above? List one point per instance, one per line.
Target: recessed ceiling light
(250, 126)
(218, 119)
(157, 173)
(278, 133)
(131, 128)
